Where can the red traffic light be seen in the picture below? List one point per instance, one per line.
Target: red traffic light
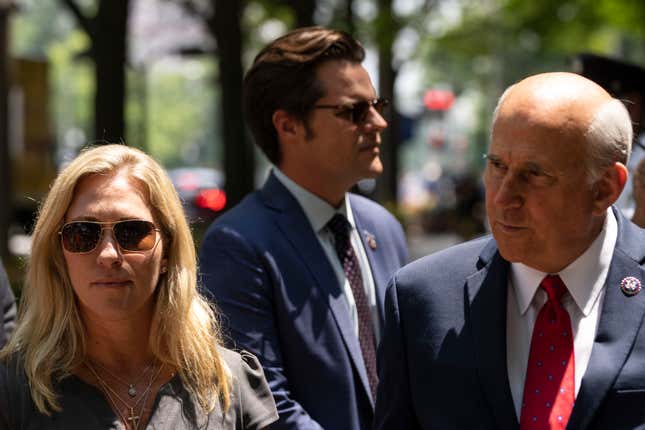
(213, 199)
(438, 99)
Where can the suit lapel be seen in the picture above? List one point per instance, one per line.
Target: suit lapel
(487, 296)
(294, 225)
(620, 320)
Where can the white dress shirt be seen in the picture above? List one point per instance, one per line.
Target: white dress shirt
(585, 281)
(319, 212)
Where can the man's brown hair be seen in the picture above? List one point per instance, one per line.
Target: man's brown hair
(283, 76)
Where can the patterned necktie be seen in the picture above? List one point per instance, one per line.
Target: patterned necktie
(341, 228)
(549, 389)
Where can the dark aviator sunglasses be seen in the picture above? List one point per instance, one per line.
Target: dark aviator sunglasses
(82, 237)
(357, 112)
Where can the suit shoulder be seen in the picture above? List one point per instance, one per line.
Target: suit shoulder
(631, 240)
(247, 217)
(366, 206)
(376, 215)
(454, 263)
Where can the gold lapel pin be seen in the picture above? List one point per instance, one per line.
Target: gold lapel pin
(370, 238)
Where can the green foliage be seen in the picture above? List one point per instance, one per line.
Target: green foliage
(36, 25)
(536, 35)
(181, 118)
(41, 29)
(264, 17)
(494, 43)
(170, 111)
(72, 84)
(625, 15)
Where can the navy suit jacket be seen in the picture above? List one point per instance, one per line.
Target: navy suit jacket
(442, 362)
(280, 299)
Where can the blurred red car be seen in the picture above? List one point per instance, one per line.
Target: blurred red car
(201, 190)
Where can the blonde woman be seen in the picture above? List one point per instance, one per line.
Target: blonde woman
(112, 333)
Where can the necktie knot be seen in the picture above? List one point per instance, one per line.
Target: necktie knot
(339, 226)
(554, 288)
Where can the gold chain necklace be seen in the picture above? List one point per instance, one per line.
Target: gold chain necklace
(133, 419)
(132, 387)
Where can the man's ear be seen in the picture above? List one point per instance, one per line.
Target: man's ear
(609, 186)
(287, 127)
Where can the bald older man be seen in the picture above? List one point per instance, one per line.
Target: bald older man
(539, 326)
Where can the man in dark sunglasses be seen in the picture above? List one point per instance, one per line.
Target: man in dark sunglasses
(299, 268)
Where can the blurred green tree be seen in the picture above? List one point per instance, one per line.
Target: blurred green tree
(107, 31)
(303, 10)
(5, 167)
(495, 43)
(385, 29)
(223, 20)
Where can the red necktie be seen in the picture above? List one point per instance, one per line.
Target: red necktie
(549, 389)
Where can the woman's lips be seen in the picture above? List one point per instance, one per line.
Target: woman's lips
(111, 283)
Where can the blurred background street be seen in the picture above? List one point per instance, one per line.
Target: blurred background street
(165, 76)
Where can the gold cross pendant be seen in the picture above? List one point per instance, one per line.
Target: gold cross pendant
(134, 419)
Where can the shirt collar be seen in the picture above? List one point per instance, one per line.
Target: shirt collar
(317, 211)
(585, 277)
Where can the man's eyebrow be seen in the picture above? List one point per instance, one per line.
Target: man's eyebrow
(527, 165)
(532, 165)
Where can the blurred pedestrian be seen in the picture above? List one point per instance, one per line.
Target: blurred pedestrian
(540, 326)
(112, 332)
(299, 267)
(639, 194)
(8, 304)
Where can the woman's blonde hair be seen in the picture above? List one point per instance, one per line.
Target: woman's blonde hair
(49, 338)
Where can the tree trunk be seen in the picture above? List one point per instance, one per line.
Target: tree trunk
(304, 10)
(5, 165)
(349, 17)
(109, 54)
(386, 185)
(239, 158)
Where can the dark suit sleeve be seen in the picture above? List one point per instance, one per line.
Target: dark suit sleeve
(394, 401)
(8, 303)
(240, 281)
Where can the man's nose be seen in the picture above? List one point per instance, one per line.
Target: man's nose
(509, 192)
(374, 121)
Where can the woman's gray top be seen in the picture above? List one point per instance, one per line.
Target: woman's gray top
(85, 407)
